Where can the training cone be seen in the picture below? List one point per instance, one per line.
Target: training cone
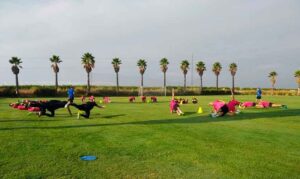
(200, 111)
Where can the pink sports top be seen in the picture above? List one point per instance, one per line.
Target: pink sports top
(265, 104)
(217, 104)
(231, 105)
(248, 104)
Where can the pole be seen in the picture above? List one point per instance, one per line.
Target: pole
(192, 71)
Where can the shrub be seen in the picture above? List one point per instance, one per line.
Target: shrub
(7, 91)
(80, 90)
(44, 91)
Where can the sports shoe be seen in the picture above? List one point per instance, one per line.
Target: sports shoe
(237, 112)
(213, 115)
(67, 104)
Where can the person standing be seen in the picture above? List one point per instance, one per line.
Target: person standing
(71, 95)
(258, 94)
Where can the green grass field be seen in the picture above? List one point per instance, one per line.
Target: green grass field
(146, 141)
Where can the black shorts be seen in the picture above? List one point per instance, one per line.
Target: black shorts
(224, 109)
(258, 97)
(71, 99)
(271, 104)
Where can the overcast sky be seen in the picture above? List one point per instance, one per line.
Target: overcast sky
(260, 36)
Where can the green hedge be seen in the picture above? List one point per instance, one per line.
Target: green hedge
(49, 91)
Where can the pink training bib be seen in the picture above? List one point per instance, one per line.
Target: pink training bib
(265, 104)
(218, 104)
(173, 104)
(231, 105)
(248, 104)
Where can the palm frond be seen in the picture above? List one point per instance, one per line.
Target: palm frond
(297, 73)
(15, 61)
(55, 59)
(273, 74)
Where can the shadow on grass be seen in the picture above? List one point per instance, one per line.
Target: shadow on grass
(112, 116)
(36, 120)
(184, 120)
(188, 113)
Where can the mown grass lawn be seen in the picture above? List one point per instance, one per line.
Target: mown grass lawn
(146, 141)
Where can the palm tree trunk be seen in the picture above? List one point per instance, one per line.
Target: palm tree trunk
(88, 83)
(232, 83)
(142, 85)
(298, 89)
(56, 82)
(201, 84)
(273, 89)
(184, 85)
(17, 85)
(217, 82)
(165, 87)
(117, 83)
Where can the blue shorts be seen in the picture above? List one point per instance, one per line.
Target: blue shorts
(71, 99)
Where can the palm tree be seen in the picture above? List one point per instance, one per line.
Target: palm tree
(55, 60)
(15, 61)
(142, 64)
(164, 67)
(184, 66)
(217, 67)
(272, 76)
(233, 69)
(116, 62)
(200, 67)
(297, 75)
(88, 61)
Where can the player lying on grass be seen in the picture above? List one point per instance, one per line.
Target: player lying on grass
(42, 106)
(174, 105)
(261, 104)
(50, 106)
(26, 103)
(194, 100)
(30, 105)
(247, 104)
(86, 107)
(220, 108)
(267, 104)
(91, 99)
(183, 101)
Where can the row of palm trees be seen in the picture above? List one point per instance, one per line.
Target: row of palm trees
(184, 66)
(88, 62)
